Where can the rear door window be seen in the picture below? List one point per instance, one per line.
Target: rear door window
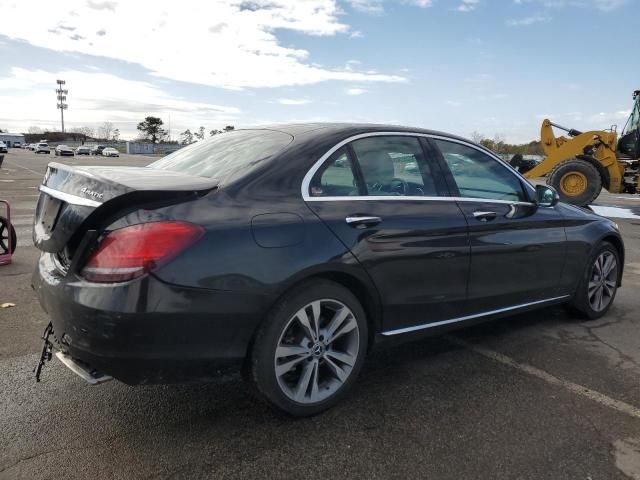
(336, 177)
(394, 166)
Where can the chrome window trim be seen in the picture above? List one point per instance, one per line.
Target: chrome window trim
(425, 326)
(316, 166)
(69, 198)
(419, 199)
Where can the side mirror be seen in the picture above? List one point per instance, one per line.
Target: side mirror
(546, 196)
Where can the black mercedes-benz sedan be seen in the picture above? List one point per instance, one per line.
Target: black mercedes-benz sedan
(289, 251)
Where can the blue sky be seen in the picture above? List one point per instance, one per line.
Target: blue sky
(496, 67)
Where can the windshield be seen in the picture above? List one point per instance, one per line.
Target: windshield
(634, 120)
(226, 156)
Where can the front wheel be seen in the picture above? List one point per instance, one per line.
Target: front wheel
(599, 284)
(310, 348)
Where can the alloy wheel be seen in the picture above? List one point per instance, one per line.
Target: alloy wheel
(317, 351)
(603, 281)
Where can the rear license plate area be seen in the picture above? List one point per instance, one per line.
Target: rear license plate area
(47, 212)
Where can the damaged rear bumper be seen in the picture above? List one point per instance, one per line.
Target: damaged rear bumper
(145, 331)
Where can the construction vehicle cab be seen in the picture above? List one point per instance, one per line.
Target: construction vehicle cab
(579, 166)
(629, 143)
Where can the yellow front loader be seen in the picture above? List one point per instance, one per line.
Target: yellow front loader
(579, 167)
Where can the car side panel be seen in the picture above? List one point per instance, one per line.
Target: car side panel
(255, 260)
(584, 232)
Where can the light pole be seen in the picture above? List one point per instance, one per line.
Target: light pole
(62, 97)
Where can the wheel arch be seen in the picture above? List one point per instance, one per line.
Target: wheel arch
(366, 294)
(362, 288)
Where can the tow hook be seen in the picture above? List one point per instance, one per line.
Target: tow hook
(47, 351)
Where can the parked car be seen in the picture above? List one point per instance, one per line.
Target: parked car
(97, 149)
(63, 150)
(42, 148)
(292, 251)
(522, 164)
(82, 150)
(17, 145)
(3, 148)
(110, 152)
(33, 147)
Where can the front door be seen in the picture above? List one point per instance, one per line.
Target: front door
(517, 249)
(386, 202)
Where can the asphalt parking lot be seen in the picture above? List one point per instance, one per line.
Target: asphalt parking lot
(533, 396)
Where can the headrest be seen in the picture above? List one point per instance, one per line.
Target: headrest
(377, 167)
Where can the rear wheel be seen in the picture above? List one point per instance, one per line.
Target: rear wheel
(599, 283)
(577, 181)
(7, 230)
(310, 348)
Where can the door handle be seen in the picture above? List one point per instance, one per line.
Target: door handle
(484, 216)
(362, 221)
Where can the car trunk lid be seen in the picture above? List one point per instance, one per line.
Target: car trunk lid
(76, 199)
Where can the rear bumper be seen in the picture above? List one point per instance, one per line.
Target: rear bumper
(147, 331)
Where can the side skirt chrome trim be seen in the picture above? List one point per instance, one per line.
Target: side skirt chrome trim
(69, 198)
(469, 317)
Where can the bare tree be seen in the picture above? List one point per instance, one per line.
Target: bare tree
(86, 131)
(105, 131)
(199, 134)
(35, 130)
(476, 136)
(186, 137)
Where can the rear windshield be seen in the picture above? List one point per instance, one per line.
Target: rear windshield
(226, 156)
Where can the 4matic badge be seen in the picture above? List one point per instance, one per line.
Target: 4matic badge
(91, 193)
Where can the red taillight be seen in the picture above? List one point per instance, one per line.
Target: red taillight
(130, 252)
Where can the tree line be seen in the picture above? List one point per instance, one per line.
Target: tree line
(188, 137)
(498, 145)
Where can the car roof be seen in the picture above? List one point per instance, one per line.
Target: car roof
(346, 129)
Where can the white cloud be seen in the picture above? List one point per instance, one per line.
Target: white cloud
(604, 5)
(422, 3)
(293, 101)
(468, 5)
(526, 21)
(355, 91)
(221, 43)
(368, 6)
(454, 103)
(607, 5)
(27, 98)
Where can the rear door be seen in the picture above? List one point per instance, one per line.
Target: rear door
(385, 198)
(517, 249)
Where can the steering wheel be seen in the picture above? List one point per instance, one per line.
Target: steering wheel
(398, 186)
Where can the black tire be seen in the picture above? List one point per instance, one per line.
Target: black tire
(581, 304)
(262, 368)
(583, 170)
(4, 237)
